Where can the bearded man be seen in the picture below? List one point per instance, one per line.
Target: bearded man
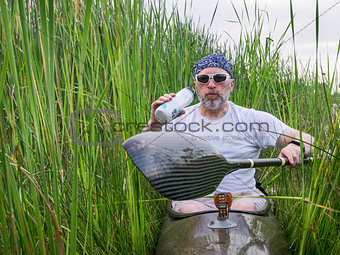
(235, 131)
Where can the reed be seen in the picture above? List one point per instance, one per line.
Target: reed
(304, 101)
(77, 77)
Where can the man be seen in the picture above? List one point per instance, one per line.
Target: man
(235, 131)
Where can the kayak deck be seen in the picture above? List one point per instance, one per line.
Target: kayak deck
(253, 235)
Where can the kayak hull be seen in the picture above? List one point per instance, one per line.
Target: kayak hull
(253, 235)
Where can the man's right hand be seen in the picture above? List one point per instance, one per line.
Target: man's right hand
(154, 124)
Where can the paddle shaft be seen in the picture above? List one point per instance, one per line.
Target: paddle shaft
(263, 162)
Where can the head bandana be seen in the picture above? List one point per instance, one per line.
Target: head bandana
(213, 60)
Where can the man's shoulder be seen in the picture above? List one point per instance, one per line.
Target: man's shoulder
(240, 109)
(249, 113)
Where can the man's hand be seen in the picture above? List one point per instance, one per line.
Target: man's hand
(293, 153)
(153, 123)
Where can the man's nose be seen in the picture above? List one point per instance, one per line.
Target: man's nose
(211, 83)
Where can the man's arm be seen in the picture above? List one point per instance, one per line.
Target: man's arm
(292, 151)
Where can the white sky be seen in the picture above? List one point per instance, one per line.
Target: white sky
(279, 13)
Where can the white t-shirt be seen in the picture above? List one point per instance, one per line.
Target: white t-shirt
(240, 133)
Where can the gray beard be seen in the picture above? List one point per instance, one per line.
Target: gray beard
(216, 103)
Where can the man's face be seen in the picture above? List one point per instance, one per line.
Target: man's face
(211, 95)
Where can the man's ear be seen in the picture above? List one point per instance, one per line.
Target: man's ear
(232, 84)
(195, 87)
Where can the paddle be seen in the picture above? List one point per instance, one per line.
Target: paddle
(182, 166)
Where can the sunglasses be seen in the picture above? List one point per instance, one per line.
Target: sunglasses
(218, 78)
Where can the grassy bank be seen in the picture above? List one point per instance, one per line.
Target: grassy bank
(75, 78)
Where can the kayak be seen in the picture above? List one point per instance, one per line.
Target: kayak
(254, 234)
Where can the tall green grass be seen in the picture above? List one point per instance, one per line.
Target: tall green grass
(63, 171)
(304, 101)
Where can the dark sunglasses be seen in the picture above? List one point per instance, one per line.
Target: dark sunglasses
(218, 78)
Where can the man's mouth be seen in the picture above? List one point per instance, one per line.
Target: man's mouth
(211, 95)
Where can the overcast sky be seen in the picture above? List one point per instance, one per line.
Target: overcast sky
(279, 14)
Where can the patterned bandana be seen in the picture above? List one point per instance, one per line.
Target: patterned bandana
(213, 60)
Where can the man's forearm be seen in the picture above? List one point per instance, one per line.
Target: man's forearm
(307, 140)
(290, 134)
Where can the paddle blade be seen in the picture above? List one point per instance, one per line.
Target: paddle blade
(179, 166)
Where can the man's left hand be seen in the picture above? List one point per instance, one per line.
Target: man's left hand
(293, 153)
